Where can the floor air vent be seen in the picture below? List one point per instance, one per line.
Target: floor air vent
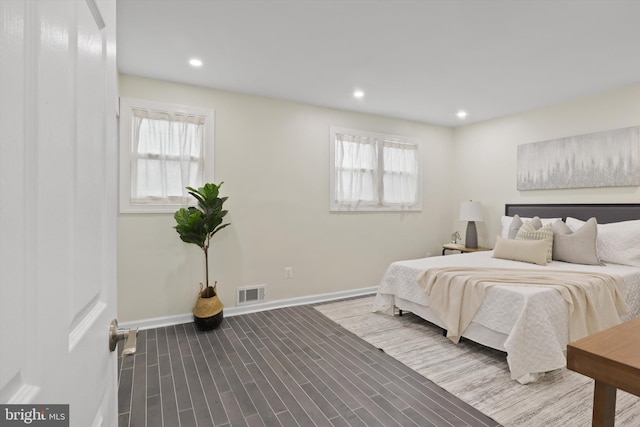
(251, 294)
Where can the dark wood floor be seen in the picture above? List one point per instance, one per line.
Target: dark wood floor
(285, 367)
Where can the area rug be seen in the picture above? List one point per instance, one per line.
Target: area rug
(476, 374)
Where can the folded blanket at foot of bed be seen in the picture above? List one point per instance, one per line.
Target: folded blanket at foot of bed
(595, 300)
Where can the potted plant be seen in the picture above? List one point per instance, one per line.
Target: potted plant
(197, 225)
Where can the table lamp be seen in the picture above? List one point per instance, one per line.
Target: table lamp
(471, 211)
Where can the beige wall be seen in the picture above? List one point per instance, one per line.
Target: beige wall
(273, 157)
(485, 153)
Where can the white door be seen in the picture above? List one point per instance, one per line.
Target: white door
(58, 206)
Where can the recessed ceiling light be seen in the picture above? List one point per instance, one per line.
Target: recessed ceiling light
(358, 94)
(461, 114)
(195, 62)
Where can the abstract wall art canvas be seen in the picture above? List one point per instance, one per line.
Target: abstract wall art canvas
(601, 159)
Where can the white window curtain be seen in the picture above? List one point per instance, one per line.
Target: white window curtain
(400, 177)
(356, 177)
(167, 156)
(373, 172)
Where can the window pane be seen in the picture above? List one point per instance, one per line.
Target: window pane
(356, 187)
(144, 184)
(356, 155)
(397, 189)
(173, 174)
(356, 163)
(400, 172)
(149, 171)
(154, 137)
(169, 155)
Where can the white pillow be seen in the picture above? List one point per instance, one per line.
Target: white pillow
(505, 222)
(617, 242)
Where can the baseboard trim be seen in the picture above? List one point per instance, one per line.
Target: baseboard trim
(159, 322)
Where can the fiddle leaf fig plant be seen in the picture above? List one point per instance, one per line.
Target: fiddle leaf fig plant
(197, 225)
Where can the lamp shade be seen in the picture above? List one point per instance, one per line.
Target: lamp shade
(470, 211)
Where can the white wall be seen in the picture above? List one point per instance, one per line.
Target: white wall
(273, 157)
(485, 153)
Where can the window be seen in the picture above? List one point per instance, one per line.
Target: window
(163, 150)
(373, 172)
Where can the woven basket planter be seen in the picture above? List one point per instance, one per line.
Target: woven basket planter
(208, 311)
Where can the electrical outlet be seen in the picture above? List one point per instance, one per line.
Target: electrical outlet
(288, 272)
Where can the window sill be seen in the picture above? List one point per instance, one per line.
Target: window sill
(160, 209)
(375, 209)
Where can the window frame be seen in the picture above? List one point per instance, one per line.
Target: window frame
(335, 206)
(127, 105)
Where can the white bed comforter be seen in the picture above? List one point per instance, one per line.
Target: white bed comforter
(534, 320)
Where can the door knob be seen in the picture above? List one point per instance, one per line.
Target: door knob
(116, 334)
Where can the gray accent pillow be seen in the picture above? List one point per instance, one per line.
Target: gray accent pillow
(577, 247)
(516, 223)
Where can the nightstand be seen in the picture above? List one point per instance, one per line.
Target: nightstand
(461, 248)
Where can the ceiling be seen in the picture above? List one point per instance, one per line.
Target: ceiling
(418, 60)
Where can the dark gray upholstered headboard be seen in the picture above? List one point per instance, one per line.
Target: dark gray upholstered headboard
(604, 213)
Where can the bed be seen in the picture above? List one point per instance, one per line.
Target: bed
(529, 323)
